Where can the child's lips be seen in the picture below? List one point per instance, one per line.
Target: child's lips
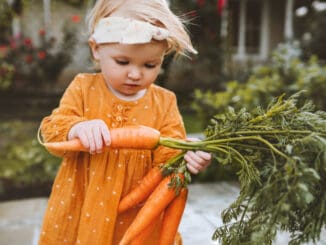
(131, 85)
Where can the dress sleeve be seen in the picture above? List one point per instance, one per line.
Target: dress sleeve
(56, 126)
(173, 127)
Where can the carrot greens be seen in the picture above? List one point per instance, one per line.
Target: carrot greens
(281, 152)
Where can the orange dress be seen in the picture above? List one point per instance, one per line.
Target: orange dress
(82, 207)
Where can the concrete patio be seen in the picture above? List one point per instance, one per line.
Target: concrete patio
(20, 220)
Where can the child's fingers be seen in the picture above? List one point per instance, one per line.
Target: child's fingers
(197, 161)
(191, 157)
(101, 134)
(199, 157)
(91, 141)
(194, 162)
(106, 135)
(83, 138)
(204, 155)
(97, 134)
(192, 169)
(91, 133)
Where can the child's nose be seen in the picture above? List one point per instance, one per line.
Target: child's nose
(134, 74)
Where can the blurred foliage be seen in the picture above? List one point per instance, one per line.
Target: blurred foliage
(24, 163)
(36, 65)
(184, 74)
(6, 74)
(192, 123)
(308, 30)
(6, 15)
(287, 74)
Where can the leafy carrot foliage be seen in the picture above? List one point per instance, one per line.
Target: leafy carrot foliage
(281, 152)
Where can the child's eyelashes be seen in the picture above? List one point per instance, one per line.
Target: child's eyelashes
(126, 62)
(122, 62)
(150, 66)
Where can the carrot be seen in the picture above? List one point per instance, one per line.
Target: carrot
(155, 204)
(70, 145)
(135, 137)
(172, 217)
(178, 239)
(132, 137)
(142, 191)
(143, 235)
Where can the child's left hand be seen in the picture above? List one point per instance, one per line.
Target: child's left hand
(197, 160)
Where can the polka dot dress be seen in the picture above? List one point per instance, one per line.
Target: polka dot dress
(82, 208)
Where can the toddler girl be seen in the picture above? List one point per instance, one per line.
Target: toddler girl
(128, 40)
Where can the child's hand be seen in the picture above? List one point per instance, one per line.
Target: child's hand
(197, 160)
(93, 134)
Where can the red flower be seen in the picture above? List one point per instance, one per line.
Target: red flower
(29, 58)
(41, 55)
(75, 18)
(220, 6)
(27, 42)
(200, 3)
(13, 45)
(41, 32)
(3, 50)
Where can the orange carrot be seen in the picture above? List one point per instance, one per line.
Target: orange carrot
(70, 145)
(172, 217)
(132, 137)
(155, 204)
(143, 235)
(142, 191)
(178, 239)
(135, 137)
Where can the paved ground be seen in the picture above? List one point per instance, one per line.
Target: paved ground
(20, 220)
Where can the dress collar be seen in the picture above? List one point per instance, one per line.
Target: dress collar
(134, 97)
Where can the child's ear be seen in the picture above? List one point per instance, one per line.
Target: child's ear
(94, 48)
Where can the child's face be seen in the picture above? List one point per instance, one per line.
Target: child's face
(129, 68)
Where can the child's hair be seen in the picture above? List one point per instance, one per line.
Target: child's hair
(156, 12)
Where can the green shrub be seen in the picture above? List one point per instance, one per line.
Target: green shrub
(26, 168)
(287, 74)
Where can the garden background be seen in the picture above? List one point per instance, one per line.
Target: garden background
(44, 44)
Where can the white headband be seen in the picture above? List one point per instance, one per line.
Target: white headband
(127, 31)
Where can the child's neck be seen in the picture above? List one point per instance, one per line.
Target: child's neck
(133, 97)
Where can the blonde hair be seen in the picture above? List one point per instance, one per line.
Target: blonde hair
(156, 12)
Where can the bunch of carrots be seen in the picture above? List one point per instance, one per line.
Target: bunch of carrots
(164, 187)
(164, 199)
(267, 145)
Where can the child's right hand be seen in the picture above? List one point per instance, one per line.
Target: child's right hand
(93, 134)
